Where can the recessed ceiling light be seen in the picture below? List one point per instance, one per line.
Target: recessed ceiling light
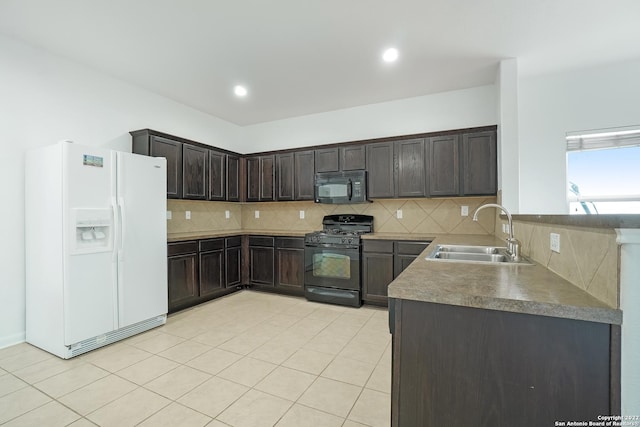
(390, 55)
(240, 90)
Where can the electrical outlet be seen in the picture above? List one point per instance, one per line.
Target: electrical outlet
(227, 214)
(555, 242)
(256, 214)
(399, 214)
(505, 228)
(301, 214)
(187, 214)
(464, 210)
(168, 214)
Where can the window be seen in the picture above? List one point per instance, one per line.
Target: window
(603, 170)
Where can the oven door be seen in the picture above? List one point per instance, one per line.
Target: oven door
(332, 267)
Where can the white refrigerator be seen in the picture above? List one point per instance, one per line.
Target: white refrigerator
(96, 239)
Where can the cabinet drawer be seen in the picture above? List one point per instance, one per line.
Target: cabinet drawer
(232, 242)
(211, 244)
(410, 248)
(260, 241)
(290, 242)
(179, 248)
(385, 246)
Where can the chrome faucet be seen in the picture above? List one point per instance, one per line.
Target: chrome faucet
(513, 244)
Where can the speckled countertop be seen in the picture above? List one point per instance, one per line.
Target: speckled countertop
(530, 289)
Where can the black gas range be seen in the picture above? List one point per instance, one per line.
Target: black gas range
(332, 259)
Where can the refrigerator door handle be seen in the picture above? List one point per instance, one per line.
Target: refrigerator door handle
(123, 222)
(116, 228)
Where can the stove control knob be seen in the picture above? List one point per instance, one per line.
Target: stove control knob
(350, 240)
(343, 240)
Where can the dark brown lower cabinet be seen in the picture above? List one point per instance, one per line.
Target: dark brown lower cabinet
(462, 366)
(261, 257)
(289, 265)
(182, 264)
(199, 270)
(382, 262)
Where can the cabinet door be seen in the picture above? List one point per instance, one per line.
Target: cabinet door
(217, 175)
(290, 269)
(233, 266)
(172, 151)
(444, 172)
(353, 157)
(479, 163)
(253, 179)
(261, 265)
(233, 178)
(401, 262)
(304, 176)
(410, 179)
(380, 167)
(182, 279)
(267, 174)
(327, 160)
(285, 176)
(377, 274)
(194, 172)
(212, 272)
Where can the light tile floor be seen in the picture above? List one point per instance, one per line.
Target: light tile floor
(248, 359)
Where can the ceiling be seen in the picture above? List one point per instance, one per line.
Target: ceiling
(300, 57)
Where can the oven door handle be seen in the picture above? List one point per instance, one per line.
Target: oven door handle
(350, 189)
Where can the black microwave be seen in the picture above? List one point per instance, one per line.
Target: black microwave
(341, 187)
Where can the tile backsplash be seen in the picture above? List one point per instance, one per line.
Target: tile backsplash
(419, 216)
(588, 257)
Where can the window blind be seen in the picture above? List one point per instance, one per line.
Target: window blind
(603, 138)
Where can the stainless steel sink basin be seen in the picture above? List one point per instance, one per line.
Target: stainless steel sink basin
(474, 254)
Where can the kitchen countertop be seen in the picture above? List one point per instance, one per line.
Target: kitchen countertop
(530, 289)
(198, 235)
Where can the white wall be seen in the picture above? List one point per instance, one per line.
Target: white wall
(44, 99)
(444, 111)
(508, 153)
(552, 105)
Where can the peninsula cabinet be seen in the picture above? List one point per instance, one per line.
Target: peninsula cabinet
(260, 178)
(465, 366)
(382, 262)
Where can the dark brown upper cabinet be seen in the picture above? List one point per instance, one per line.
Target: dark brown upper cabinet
(304, 176)
(285, 176)
(327, 160)
(260, 178)
(336, 159)
(353, 157)
(233, 178)
(410, 177)
(479, 163)
(444, 165)
(380, 170)
(217, 175)
(156, 146)
(194, 172)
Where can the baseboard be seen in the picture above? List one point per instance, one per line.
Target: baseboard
(14, 339)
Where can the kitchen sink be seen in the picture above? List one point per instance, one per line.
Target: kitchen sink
(474, 254)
